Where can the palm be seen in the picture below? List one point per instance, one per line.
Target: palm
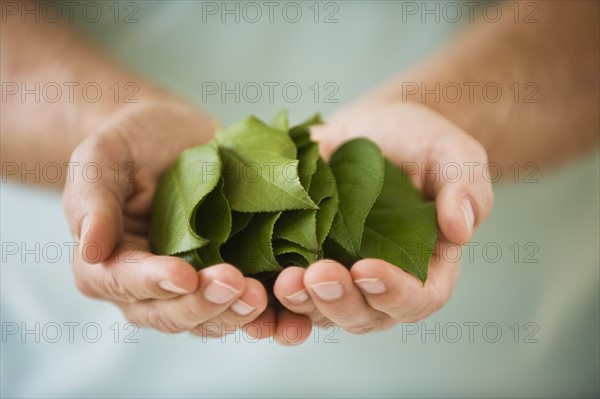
(374, 294)
(112, 214)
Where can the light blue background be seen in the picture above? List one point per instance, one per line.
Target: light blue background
(559, 214)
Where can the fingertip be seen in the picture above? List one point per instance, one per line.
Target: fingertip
(456, 217)
(254, 296)
(224, 274)
(369, 269)
(371, 276)
(324, 270)
(292, 329)
(289, 284)
(376, 276)
(177, 276)
(263, 326)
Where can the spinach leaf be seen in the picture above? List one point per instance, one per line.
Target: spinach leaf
(401, 228)
(192, 177)
(358, 167)
(260, 169)
(251, 250)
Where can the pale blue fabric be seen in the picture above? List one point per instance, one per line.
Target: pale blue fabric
(559, 214)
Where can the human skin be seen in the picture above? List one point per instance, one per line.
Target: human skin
(559, 54)
(168, 294)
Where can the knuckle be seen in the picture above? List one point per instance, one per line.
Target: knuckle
(115, 289)
(156, 320)
(375, 324)
(342, 313)
(200, 309)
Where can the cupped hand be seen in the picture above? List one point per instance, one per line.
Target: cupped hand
(108, 208)
(373, 294)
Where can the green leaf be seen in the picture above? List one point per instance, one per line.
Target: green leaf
(358, 167)
(328, 207)
(192, 258)
(401, 228)
(260, 169)
(333, 250)
(192, 177)
(323, 191)
(299, 227)
(309, 228)
(213, 222)
(251, 250)
(300, 134)
(252, 134)
(292, 259)
(280, 121)
(307, 163)
(283, 247)
(260, 197)
(239, 221)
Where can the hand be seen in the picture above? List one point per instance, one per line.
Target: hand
(110, 216)
(374, 295)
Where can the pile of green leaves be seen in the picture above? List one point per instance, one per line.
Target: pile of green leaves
(260, 197)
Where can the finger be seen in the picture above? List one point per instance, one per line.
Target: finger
(463, 192)
(399, 294)
(243, 310)
(289, 290)
(337, 298)
(263, 326)
(292, 329)
(132, 274)
(219, 286)
(93, 197)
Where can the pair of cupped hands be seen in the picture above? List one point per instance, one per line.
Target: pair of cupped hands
(134, 147)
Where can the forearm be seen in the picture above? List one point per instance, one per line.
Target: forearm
(547, 71)
(57, 88)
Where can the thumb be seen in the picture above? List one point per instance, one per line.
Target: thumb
(455, 177)
(94, 196)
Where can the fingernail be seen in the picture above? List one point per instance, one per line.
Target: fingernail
(298, 297)
(219, 293)
(85, 226)
(329, 291)
(467, 208)
(168, 286)
(241, 308)
(371, 285)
